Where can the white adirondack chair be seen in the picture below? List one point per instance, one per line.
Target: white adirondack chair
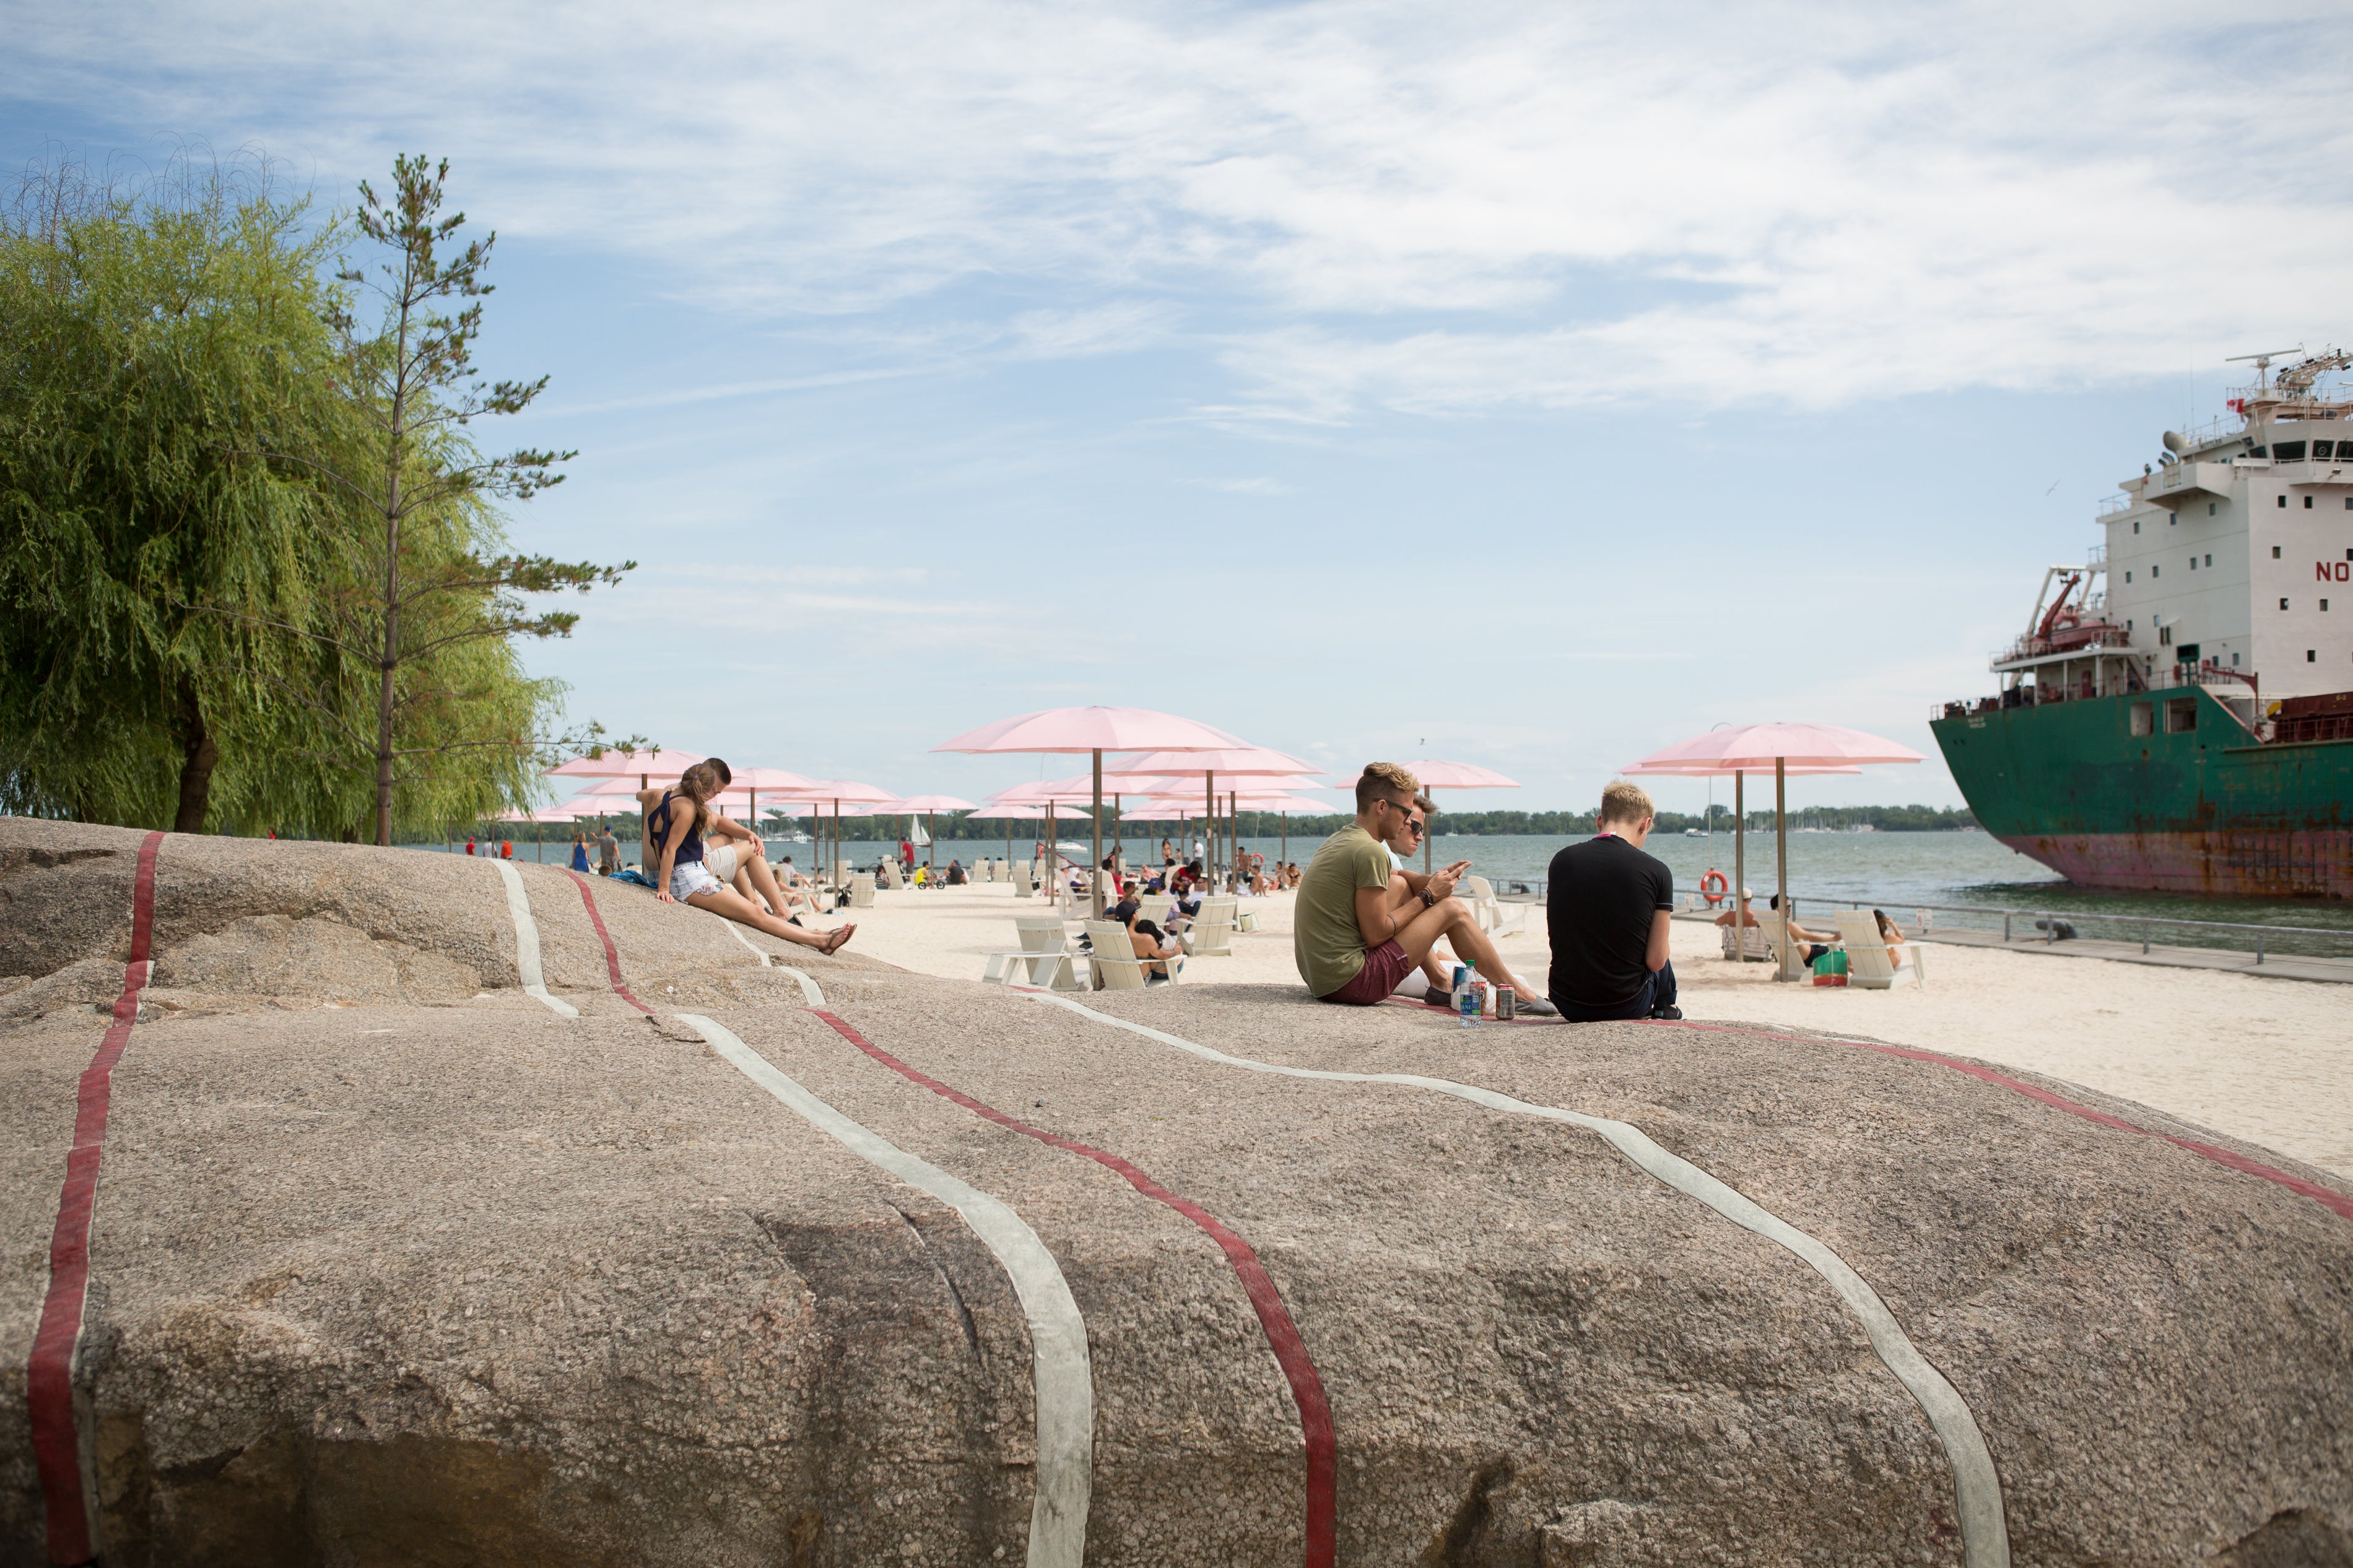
(861, 891)
(1044, 957)
(1752, 938)
(1114, 960)
(1212, 932)
(889, 876)
(1488, 910)
(1869, 963)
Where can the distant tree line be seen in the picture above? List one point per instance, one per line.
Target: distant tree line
(253, 574)
(1268, 825)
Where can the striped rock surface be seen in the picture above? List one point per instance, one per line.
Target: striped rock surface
(370, 1206)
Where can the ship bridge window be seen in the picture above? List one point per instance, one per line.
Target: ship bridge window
(2289, 452)
(2321, 450)
(2275, 553)
(2307, 503)
(2283, 500)
(2180, 715)
(2144, 718)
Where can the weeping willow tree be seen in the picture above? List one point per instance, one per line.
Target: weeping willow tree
(149, 339)
(194, 600)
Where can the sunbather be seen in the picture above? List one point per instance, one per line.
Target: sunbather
(1893, 933)
(676, 825)
(1151, 942)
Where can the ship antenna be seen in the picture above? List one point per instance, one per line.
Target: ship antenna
(2263, 363)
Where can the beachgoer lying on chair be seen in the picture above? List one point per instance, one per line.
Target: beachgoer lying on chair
(1747, 917)
(677, 824)
(1607, 906)
(1362, 925)
(1816, 943)
(1151, 942)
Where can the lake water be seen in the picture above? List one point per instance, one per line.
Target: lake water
(1894, 871)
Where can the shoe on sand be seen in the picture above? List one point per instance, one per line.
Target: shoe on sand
(1436, 998)
(1536, 1007)
(1666, 1012)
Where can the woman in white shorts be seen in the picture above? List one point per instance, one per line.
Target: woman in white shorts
(675, 826)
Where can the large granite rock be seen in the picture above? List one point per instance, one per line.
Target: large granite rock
(394, 1264)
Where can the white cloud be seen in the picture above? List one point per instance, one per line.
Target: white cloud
(1352, 205)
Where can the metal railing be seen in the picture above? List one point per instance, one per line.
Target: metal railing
(2049, 921)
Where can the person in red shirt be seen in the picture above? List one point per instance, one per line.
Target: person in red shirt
(470, 844)
(506, 848)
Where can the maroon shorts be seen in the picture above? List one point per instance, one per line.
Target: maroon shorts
(1384, 966)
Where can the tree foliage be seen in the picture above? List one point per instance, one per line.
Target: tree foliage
(147, 337)
(425, 608)
(252, 573)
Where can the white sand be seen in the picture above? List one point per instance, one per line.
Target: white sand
(2268, 1060)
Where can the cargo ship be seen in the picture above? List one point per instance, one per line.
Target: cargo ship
(2178, 715)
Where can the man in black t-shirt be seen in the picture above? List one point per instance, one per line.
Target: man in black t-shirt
(1607, 908)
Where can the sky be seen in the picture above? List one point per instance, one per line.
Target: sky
(1534, 385)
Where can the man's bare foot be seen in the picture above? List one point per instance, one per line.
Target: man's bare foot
(832, 943)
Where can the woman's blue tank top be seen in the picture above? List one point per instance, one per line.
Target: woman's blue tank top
(690, 847)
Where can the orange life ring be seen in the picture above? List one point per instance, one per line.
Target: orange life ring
(1713, 886)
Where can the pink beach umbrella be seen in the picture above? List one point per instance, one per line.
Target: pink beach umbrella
(653, 763)
(1094, 729)
(1436, 774)
(1233, 761)
(836, 793)
(1010, 812)
(1787, 749)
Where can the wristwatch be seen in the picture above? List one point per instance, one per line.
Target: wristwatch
(1429, 899)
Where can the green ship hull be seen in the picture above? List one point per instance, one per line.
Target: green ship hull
(2197, 804)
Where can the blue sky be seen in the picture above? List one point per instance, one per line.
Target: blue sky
(1534, 385)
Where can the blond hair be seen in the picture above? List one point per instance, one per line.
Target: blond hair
(1623, 802)
(1385, 781)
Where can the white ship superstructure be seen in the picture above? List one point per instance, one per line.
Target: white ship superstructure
(2228, 562)
(2232, 556)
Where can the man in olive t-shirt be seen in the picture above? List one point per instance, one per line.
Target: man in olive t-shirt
(1360, 925)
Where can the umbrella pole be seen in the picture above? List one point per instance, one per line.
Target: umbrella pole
(1283, 856)
(1209, 818)
(1739, 868)
(1781, 860)
(1094, 855)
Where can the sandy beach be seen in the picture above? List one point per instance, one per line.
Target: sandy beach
(2260, 1059)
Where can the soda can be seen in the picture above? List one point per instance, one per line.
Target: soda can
(1507, 1004)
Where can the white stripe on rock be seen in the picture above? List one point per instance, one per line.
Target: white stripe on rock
(1058, 1336)
(527, 932)
(1977, 1486)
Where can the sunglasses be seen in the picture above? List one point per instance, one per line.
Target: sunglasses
(1413, 827)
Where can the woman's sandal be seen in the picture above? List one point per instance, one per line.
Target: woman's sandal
(833, 942)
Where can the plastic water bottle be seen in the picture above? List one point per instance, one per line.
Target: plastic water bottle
(1466, 1002)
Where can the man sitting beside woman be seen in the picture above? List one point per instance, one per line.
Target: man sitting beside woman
(734, 854)
(679, 821)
